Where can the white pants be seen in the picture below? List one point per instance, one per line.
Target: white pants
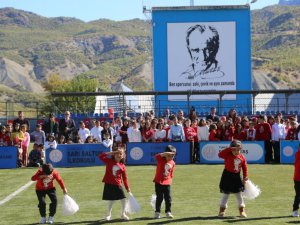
(239, 199)
(110, 205)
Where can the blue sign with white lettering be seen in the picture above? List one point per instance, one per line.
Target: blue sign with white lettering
(75, 155)
(8, 157)
(143, 153)
(288, 150)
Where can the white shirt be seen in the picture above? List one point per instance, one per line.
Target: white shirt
(83, 134)
(50, 144)
(96, 133)
(203, 133)
(160, 134)
(108, 143)
(135, 135)
(278, 132)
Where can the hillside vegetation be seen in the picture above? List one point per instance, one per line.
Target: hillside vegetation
(34, 48)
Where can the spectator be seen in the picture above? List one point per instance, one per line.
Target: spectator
(240, 133)
(203, 131)
(35, 157)
(67, 126)
(278, 133)
(4, 137)
(263, 133)
(107, 142)
(21, 120)
(51, 126)
(9, 130)
(213, 133)
(96, 131)
(292, 132)
(251, 132)
(117, 127)
(50, 142)
(83, 132)
(25, 144)
(190, 135)
(62, 140)
(135, 134)
(176, 132)
(147, 133)
(160, 134)
(106, 129)
(38, 136)
(42, 150)
(213, 115)
(89, 140)
(229, 130)
(123, 131)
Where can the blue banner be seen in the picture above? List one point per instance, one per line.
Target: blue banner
(252, 150)
(8, 157)
(75, 155)
(288, 150)
(143, 153)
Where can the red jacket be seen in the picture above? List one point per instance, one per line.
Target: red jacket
(189, 133)
(297, 166)
(234, 163)
(164, 170)
(263, 132)
(114, 172)
(213, 136)
(47, 182)
(291, 134)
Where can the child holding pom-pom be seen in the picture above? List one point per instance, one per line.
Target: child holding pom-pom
(231, 181)
(296, 184)
(114, 174)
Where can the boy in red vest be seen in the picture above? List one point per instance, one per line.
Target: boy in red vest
(163, 180)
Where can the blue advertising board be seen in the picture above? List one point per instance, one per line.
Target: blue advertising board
(288, 150)
(143, 153)
(75, 155)
(8, 157)
(252, 150)
(202, 48)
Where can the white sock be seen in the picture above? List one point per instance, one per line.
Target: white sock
(224, 200)
(109, 208)
(239, 199)
(123, 204)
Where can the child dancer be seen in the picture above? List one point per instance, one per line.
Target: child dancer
(44, 186)
(296, 184)
(114, 174)
(231, 181)
(163, 180)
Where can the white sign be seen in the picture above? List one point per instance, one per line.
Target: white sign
(252, 151)
(201, 56)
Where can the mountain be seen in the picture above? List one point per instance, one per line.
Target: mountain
(32, 48)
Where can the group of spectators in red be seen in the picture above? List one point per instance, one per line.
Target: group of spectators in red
(171, 128)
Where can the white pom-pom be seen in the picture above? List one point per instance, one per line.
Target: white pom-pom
(69, 206)
(132, 206)
(252, 191)
(153, 201)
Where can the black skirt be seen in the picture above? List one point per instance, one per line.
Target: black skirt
(113, 192)
(231, 183)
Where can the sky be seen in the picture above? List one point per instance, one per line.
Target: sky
(88, 10)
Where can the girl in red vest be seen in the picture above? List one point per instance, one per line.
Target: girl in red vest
(231, 181)
(115, 173)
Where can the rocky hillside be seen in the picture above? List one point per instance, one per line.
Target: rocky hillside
(33, 47)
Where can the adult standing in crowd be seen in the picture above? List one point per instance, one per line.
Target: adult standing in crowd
(213, 115)
(67, 126)
(21, 120)
(50, 127)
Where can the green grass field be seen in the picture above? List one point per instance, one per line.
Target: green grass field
(195, 196)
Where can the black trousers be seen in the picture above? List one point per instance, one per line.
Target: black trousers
(269, 152)
(41, 194)
(276, 147)
(163, 192)
(297, 196)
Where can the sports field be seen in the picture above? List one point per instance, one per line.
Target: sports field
(195, 196)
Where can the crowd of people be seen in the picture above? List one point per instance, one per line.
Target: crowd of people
(148, 128)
